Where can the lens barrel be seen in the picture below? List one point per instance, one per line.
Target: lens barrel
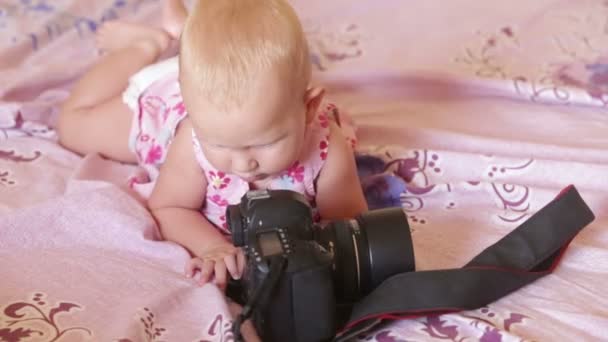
(367, 250)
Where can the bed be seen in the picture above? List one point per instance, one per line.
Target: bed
(484, 110)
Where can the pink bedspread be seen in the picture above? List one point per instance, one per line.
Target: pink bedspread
(492, 107)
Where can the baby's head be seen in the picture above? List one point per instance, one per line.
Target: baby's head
(245, 79)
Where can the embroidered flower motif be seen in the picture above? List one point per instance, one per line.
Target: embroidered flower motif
(296, 172)
(323, 145)
(38, 309)
(180, 108)
(285, 183)
(144, 137)
(217, 199)
(154, 106)
(223, 222)
(219, 179)
(154, 154)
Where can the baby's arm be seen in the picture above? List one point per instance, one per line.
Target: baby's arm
(175, 203)
(339, 193)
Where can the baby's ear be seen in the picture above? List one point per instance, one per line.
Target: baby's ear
(312, 99)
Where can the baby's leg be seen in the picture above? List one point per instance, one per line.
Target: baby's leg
(94, 117)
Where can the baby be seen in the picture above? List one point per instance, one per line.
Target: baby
(240, 113)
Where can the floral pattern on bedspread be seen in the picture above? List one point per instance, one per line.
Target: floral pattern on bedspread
(406, 181)
(333, 46)
(579, 38)
(152, 331)
(12, 125)
(457, 202)
(484, 325)
(58, 18)
(38, 318)
(13, 157)
(219, 330)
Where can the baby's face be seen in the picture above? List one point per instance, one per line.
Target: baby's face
(255, 140)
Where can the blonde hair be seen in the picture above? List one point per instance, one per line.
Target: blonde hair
(227, 44)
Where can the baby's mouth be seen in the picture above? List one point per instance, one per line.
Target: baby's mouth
(254, 178)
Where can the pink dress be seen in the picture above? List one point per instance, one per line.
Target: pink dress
(159, 110)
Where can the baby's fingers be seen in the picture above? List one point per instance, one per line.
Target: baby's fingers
(231, 265)
(206, 271)
(193, 265)
(220, 274)
(241, 261)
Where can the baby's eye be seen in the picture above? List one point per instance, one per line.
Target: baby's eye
(266, 145)
(215, 147)
(272, 143)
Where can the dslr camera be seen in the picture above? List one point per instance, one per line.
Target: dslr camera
(302, 278)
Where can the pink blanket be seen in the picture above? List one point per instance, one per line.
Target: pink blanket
(489, 107)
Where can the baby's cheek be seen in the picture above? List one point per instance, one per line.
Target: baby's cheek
(271, 161)
(219, 160)
(288, 155)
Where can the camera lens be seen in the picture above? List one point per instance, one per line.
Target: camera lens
(234, 221)
(367, 250)
(338, 240)
(389, 245)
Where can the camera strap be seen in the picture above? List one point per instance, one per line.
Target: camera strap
(261, 295)
(529, 252)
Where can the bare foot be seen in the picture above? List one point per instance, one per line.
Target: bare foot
(115, 35)
(174, 15)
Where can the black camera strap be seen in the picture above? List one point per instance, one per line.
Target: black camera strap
(261, 295)
(528, 253)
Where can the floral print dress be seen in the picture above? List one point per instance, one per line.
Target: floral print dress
(158, 110)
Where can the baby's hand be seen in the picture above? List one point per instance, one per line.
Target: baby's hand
(215, 262)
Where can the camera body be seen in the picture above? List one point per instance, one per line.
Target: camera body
(325, 268)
